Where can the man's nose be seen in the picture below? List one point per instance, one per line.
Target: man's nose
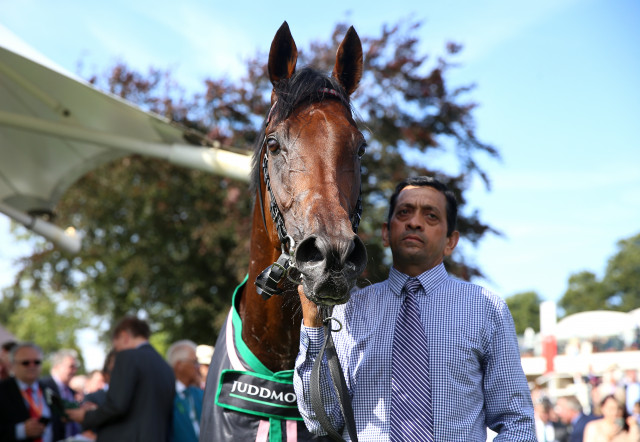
(415, 222)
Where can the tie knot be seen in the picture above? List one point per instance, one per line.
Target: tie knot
(412, 286)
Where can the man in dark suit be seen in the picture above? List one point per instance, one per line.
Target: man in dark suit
(139, 402)
(24, 412)
(64, 365)
(569, 410)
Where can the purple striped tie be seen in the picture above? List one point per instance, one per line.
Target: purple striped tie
(411, 408)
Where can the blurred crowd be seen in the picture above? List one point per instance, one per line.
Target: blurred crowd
(610, 411)
(138, 392)
(137, 395)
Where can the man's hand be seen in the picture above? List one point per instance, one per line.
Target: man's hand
(33, 427)
(76, 414)
(310, 313)
(88, 405)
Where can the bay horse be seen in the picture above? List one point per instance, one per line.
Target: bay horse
(306, 177)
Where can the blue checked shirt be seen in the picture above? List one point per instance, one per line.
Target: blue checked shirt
(476, 376)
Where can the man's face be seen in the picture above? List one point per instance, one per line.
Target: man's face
(187, 369)
(122, 341)
(66, 369)
(417, 232)
(563, 411)
(541, 413)
(26, 365)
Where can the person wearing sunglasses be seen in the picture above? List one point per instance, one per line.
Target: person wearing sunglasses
(24, 413)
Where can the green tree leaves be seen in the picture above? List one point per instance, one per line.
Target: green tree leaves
(525, 309)
(618, 290)
(585, 293)
(623, 275)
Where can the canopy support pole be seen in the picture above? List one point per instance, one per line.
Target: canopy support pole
(68, 241)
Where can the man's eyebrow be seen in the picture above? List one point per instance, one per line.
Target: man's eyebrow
(430, 207)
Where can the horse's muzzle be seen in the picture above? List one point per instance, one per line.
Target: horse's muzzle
(330, 267)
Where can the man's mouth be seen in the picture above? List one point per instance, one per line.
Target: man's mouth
(412, 238)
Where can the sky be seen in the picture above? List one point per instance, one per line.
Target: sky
(556, 83)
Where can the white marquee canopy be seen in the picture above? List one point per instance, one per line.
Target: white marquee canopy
(55, 127)
(599, 323)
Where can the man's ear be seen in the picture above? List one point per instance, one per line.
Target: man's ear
(385, 234)
(452, 242)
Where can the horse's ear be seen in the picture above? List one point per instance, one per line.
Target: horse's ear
(283, 55)
(348, 68)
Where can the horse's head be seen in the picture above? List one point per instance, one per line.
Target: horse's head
(311, 155)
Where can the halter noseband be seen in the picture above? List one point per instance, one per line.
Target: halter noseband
(269, 279)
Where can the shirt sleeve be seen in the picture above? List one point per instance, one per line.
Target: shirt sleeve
(509, 410)
(21, 431)
(311, 340)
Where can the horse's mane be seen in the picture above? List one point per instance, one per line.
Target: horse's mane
(307, 85)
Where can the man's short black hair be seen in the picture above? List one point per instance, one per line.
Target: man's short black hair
(427, 181)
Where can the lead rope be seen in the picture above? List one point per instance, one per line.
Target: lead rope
(339, 383)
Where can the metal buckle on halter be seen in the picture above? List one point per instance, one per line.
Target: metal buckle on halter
(268, 280)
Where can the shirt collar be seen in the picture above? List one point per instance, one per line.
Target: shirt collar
(180, 387)
(430, 279)
(24, 386)
(58, 382)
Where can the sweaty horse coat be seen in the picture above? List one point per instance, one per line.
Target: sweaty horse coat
(245, 401)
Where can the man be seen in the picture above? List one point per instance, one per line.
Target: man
(204, 354)
(5, 363)
(139, 401)
(64, 366)
(569, 410)
(464, 377)
(24, 413)
(548, 429)
(187, 404)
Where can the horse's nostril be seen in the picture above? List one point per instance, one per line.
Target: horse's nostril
(308, 251)
(358, 256)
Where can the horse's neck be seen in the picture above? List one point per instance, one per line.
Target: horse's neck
(271, 329)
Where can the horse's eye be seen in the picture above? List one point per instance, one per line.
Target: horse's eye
(273, 145)
(362, 150)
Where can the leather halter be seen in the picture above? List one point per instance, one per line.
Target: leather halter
(268, 280)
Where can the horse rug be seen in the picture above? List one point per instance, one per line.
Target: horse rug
(244, 400)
